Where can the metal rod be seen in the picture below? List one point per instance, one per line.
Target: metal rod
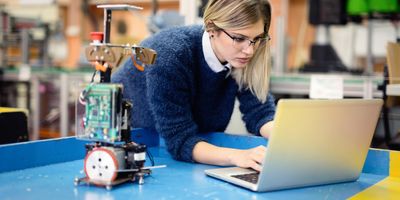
(154, 167)
(25, 46)
(105, 77)
(107, 25)
(64, 113)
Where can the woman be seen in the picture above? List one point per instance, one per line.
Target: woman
(199, 71)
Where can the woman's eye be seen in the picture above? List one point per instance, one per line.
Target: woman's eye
(239, 40)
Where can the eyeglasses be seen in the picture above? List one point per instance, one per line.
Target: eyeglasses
(241, 43)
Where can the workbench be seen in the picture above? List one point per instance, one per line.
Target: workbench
(47, 169)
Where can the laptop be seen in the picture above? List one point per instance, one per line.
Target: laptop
(314, 142)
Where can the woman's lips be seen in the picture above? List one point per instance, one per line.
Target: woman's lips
(243, 60)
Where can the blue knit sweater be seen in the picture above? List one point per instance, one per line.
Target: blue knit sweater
(181, 97)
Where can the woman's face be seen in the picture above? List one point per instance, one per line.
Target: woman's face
(237, 46)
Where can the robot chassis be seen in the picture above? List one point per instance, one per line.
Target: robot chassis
(103, 117)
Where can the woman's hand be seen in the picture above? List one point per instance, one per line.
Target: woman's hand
(204, 152)
(266, 129)
(249, 158)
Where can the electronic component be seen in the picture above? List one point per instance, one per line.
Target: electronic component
(103, 116)
(111, 165)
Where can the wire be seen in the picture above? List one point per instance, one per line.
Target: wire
(82, 97)
(94, 74)
(83, 94)
(150, 157)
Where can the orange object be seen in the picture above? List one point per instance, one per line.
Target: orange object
(139, 67)
(100, 67)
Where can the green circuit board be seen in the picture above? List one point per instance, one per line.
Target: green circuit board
(102, 112)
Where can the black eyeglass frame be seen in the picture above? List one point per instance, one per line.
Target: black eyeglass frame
(251, 42)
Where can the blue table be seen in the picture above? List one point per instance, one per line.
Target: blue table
(46, 170)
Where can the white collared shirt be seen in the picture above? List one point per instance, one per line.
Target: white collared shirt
(210, 56)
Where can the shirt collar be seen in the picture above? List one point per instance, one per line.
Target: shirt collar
(210, 56)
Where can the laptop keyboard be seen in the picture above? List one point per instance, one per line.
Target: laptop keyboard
(251, 177)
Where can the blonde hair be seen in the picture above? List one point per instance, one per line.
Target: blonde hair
(233, 14)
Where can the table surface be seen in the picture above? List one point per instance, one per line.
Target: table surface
(63, 161)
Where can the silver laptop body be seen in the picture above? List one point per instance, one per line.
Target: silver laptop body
(313, 142)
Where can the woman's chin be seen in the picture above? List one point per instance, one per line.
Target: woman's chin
(238, 65)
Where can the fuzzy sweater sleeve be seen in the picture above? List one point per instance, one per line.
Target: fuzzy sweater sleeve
(255, 113)
(170, 85)
(169, 97)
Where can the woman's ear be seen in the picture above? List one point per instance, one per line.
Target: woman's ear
(211, 33)
(210, 25)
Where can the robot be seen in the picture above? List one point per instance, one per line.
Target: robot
(103, 116)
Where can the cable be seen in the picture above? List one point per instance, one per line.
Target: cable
(150, 157)
(94, 74)
(83, 94)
